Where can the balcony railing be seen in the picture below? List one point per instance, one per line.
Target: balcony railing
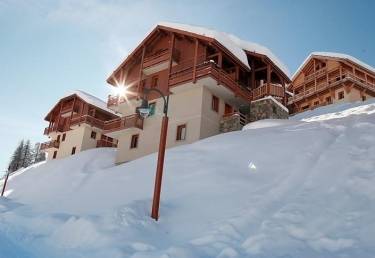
(55, 128)
(132, 121)
(184, 72)
(160, 57)
(268, 89)
(104, 143)
(332, 81)
(90, 120)
(50, 144)
(66, 126)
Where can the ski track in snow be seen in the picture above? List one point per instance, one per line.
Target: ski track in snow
(309, 193)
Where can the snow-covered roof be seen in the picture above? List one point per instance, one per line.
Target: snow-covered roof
(333, 55)
(90, 99)
(234, 44)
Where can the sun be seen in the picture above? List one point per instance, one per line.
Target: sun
(122, 90)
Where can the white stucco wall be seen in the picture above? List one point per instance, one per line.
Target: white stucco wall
(79, 137)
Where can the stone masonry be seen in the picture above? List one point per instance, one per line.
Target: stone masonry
(267, 108)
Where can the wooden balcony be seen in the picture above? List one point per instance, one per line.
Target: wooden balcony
(51, 144)
(268, 89)
(55, 128)
(330, 82)
(104, 143)
(185, 72)
(86, 119)
(76, 120)
(159, 61)
(132, 121)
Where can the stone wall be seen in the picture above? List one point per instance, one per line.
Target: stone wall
(232, 123)
(267, 108)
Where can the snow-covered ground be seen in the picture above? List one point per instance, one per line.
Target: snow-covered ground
(298, 188)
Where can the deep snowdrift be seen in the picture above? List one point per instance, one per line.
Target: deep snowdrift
(289, 189)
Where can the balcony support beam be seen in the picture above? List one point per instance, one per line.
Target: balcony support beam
(170, 61)
(195, 61)
(141, 70)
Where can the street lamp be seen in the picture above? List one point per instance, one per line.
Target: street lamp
(144, 111)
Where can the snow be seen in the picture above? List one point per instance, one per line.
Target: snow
(234, 44)
(333, 55)
(293, 189)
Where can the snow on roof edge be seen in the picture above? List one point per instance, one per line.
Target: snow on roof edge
(333, 55)
(91, 99)
(233, 43)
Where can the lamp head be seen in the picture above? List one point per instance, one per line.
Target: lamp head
(144, 109)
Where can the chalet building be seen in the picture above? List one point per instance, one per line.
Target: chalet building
(326, 78)
(76, 123)
(211, 78)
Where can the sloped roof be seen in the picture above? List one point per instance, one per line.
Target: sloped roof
(95, 101)
(88, 98)
(234, 44)
(333, 55)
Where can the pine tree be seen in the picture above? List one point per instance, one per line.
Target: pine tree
(38, 154)
(26, 155)
(17, 157)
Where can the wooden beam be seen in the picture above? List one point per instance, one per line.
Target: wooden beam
(141, 71)
(237, 74)
(269, 73)
(261, 68)
(59, 115)
(171, 48)
(71, 115)
(195, 61)
(253, 74)
(220, 59)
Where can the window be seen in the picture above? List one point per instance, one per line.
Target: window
(134, 141)
(363, 98)
(341, 95)
(58, 138)
(228, 109)
(328, 100)
(152, 107)
(63, 137)
(154, 81)
(215, 103)
(181, 132)
(54, 154)
(73, 150)
(93, 135)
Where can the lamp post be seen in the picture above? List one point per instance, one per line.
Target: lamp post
(144, 111)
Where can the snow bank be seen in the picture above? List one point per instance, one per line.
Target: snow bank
(267, 123)
(297, 189)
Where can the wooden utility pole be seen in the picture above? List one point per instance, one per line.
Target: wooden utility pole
(5, 183)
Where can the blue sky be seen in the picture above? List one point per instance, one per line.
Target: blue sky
(49, 48)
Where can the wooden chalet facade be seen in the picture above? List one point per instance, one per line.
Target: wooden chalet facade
(76, 123)
(210, 77)
(326, 78)
(171, 56)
